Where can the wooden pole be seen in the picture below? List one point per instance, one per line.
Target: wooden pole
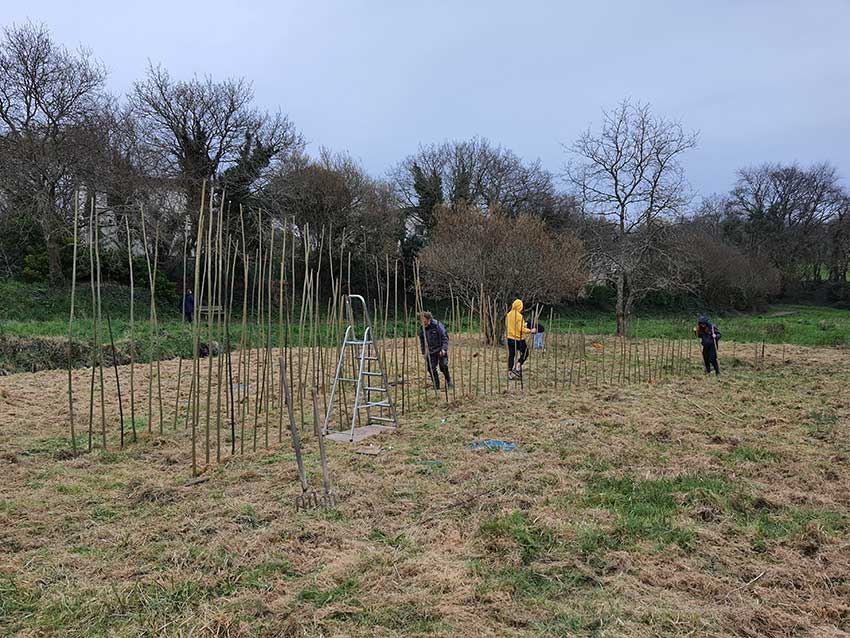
(196, 334)
(94, 326)
(182, 331)
(71, 328)
(99, 327)
(242, 391)
(117, 379)
(132, 330)
(227, 322)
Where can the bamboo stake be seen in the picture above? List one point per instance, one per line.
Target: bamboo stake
(242, 393)
(471, 351)
(156, 331)
(196, 335)
(227, 322)
(395, 337)
(117, 379)
(99, 327)
(301, 380)
(405, 391)
(548, 367)
(555, 338)
(132, 331)
(182, 331)
(150, 323)
(260, 277)
(281, 292)
(94, 326)
(212, 283)
(221, 280)
(71, 328)
(268, 383)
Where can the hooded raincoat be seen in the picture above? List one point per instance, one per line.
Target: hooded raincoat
(514, 322)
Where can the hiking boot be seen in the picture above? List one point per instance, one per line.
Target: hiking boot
(450, 386)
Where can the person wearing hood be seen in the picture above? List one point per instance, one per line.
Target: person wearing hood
(434, 345)
(516, 332)
(709, 335)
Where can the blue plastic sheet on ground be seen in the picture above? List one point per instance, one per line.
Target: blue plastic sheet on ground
(493, 444)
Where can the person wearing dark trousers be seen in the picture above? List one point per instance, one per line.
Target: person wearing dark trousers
(188, 306)
(709, 335)
(516, 346)
(516, 332)
(434, 345)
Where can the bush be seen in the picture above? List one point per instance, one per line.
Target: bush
(725, 276)
(600, 296)
(36, 268)
(507, 257)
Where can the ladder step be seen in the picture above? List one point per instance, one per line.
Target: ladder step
(371, 389)
(371, 374)
(383, 419)
(370, 358)
(376, 404)
(359, 343)
(347, 379)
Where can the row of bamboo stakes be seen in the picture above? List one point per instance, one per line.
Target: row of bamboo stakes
(231, 399)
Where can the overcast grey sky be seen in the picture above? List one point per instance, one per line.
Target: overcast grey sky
(761, 80)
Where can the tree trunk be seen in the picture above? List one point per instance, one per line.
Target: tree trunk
(629, 305)
(622, 315)
(54, 261)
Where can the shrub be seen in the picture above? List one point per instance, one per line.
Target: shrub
(505, 256)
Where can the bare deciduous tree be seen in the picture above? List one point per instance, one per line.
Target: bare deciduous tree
(628, 175)
(49, 100)
(786, 210)
(503, 256)
(474, 172)
(200, 127)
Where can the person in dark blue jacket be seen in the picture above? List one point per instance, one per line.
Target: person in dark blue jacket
(188, 305)
(434, 338)
(709, 335)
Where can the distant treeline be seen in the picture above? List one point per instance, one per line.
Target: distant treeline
(619, 225)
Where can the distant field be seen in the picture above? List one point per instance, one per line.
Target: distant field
(39, 315)
(781, 323)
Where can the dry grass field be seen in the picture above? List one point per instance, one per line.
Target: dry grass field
(681, 506)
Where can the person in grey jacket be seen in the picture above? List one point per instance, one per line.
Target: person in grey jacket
(434, 345)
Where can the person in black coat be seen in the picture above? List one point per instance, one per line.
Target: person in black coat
(188, 305)
(709, 335)
(434, 338)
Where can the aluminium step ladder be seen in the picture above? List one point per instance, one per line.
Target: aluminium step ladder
(371, 393)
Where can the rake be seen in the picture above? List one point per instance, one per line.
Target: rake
(329, 497)
(310, 499)
(304, 500)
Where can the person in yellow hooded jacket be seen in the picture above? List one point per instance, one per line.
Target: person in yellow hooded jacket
(516, 332)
